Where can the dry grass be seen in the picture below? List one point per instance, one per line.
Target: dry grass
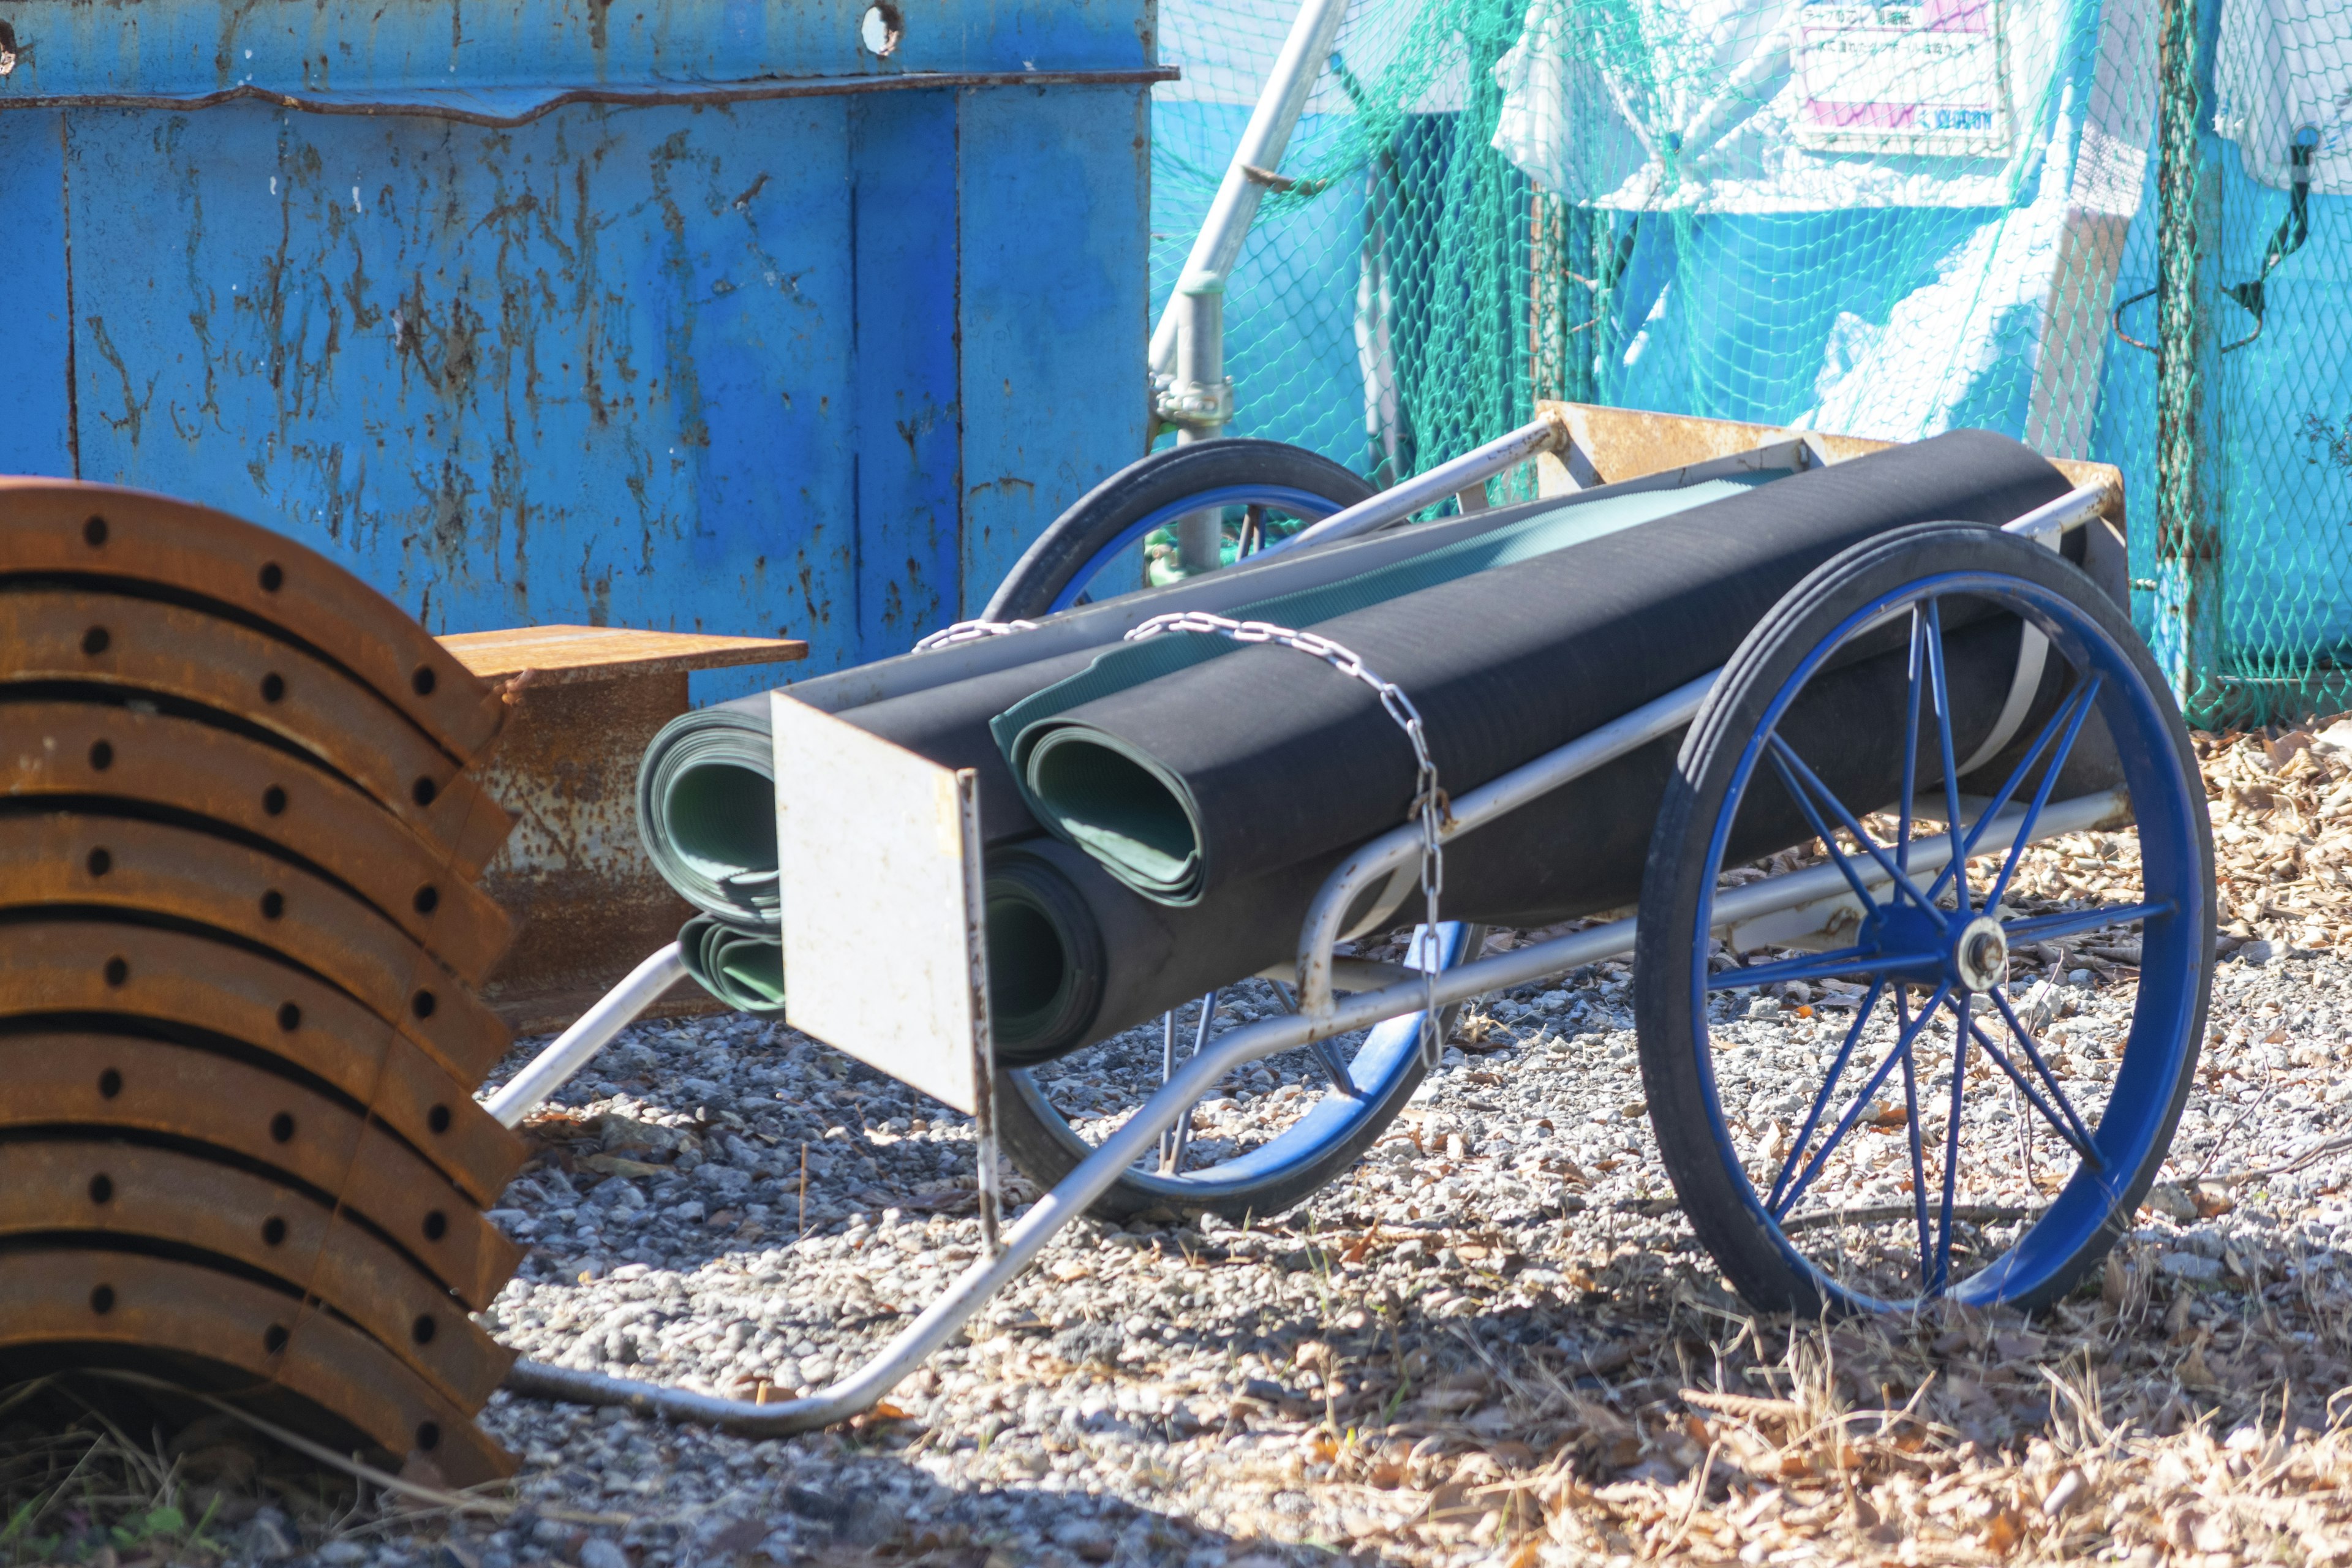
(2152, 1421)
(76, 1486)
(2147, 1419)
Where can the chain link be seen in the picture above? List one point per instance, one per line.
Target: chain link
(971, 631)
(1429, 807)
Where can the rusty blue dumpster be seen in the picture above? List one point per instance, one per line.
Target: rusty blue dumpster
(735, 316)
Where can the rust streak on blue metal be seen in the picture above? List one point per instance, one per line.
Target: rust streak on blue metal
(780, 337)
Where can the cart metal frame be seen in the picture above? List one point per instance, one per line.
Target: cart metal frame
(1799, 905)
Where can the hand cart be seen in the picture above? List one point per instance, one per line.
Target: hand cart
(1931, 1130)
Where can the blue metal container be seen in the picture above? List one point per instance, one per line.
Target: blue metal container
(738, 316)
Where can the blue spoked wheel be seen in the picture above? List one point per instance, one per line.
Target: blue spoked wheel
(1899, 1094)
(1266, 489)
(1255, 1150)
(1258, 1147)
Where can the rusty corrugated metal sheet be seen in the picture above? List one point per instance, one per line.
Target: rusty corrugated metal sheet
(118, 1190)
(177, 979)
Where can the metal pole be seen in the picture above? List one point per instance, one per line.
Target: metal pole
(1264, 141)
(616, 1010)
(1543, 434)
(991, 1272)
(2188, 632)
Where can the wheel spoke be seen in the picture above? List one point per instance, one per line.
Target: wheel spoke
(1834, 966)
(1957, 869)
(1821, 829)
(1943, 1274)
(1167, 1150)
(1910, 747)
(2080, 1135)
(1178, 1138)
(2007, 790)
(2000, 1058)
(1911, 1136)
(1860, 1103)
(2041, 794)
(2045, 928)
(1822, 1100)
(1783, 751)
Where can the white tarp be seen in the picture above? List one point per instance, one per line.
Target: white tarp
(2284, 65)
(1784, 106)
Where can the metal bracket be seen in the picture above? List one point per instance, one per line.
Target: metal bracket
(1194, 405)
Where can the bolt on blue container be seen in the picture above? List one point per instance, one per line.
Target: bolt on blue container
(722, 315)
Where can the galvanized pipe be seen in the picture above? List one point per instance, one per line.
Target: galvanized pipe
(1399, 502)
(1264, 141)
(1191, 1083)
(1200, 396)
(2067, 513)
(571, 1050)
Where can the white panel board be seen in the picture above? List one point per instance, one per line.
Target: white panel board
(878, 851)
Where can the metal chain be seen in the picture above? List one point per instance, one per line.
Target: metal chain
(971, 631)
(1429, 807)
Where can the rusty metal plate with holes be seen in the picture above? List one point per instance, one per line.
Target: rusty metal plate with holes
(98, 1191)
(128, 864)
(156, 759)
(81, 1079)
(258, 1343)
(586, 702)
(49, 634)
(176, 982)
(83, 964)
(56, 526)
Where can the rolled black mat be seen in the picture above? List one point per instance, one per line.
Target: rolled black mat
(706, 790)
(1226, 771)
(1075, 955)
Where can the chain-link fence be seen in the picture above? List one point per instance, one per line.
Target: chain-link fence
(1882, 218)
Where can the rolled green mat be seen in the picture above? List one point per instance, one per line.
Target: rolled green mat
(706, 789)
(1229, 767)
(743, 969)
(707, 811)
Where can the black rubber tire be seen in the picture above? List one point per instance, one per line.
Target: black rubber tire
(1142, 487)
(1682, 1109)
(1042, 1146)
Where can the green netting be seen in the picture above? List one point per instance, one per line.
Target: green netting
(1876, 218)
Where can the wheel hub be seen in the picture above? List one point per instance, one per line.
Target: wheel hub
(1980, 954)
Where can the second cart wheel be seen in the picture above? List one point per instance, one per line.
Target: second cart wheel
(1268, 490)
(1262, 1151)
(1267, 1154)
(1920, 1122)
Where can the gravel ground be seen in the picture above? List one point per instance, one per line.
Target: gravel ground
(1495, 1341)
